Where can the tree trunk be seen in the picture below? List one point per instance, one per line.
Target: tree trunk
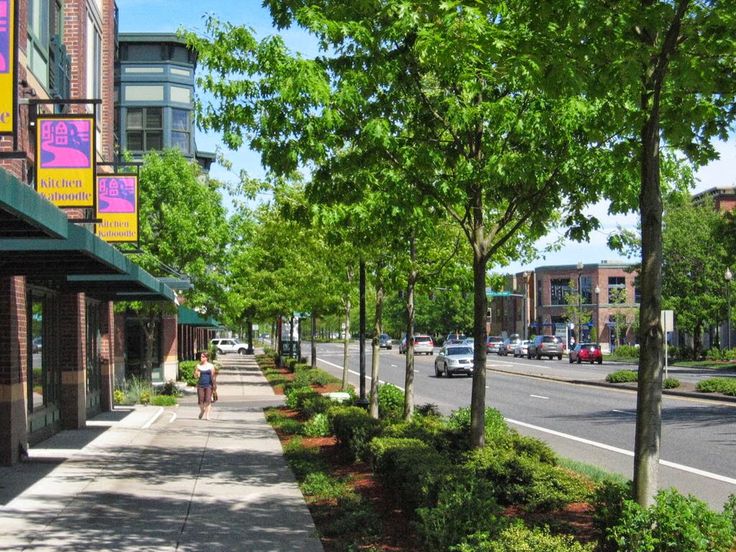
(480, 334)
(651, 355)
(313, 350)
(409, 370)
(376, 348)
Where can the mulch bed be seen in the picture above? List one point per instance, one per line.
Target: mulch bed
(396, 534)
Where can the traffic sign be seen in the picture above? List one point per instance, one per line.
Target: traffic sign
(491, 293)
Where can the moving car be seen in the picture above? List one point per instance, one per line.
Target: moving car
(422, 344)
(586, 352)
(454, 359)
(385, 341)
(546, 345)
(522, 348)
(225, 345)
(493, 343)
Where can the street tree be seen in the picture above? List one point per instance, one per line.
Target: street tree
(456, 97)
(695, 259)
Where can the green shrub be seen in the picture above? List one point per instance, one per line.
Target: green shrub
(315, 404)
(354, 428)
(730, 510)
(527, 475)
(431, 430)
(390, 402)
(608, 505)
(355, 516)
(670, 383)
(169, 388)
(163, 400)
(186, 371)
(317, 426)
(322, 486)
(625, 351)
(519, 538)
(275, 417)
(303, 460)
(496, 428)
(464, 504)
(674, 523)
(410, 468)
(727, 386)
(623, 376)
(118, 396)
(295, 396)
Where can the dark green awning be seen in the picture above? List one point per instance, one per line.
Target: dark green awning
(26, 214)
(188, 317)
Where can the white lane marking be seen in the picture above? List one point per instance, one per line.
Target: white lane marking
(539, 397)
(354, 372)
(624, 412)
(625, 452)
(394, 366)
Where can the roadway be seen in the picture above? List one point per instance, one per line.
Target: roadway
(585, 422)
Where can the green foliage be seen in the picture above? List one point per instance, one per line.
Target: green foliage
(726, 386)
(136, 391)
(164, 400)
(168, 388)
(464, 505)
(729, 509)
(295, 396)
(670, 383)
(411, 468)
(356, 517)
(303, 460)
(316, 404)
(390, 402)
(354, 428)
(322, 486)
(118, 396)
(623, 376)
(674, 523)
(431, 430)
(495, 426)
(317, 426)
(186, 371)
(519, 538)
(625, 352)
(283, 423)
(608, 506)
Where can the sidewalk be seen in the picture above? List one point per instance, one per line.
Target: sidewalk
(155, 478)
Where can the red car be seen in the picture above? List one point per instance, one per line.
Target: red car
(586, 352)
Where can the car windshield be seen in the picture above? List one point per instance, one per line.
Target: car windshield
(550, 339)
(459, 351)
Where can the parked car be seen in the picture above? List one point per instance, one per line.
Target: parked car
(521, 349)
(469, 341)
(508, 346)
(493, 343)
(385, 341)
(422, 344)
(586, 352)
(454, 359)
(37, 344)
(546, 345)
(225, 345)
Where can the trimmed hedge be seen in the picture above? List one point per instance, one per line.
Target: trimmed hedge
(519, 538)
(727, 386)
(186, 371)
(623, 376)
(354, 428)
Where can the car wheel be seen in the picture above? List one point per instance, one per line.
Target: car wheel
(241, 351)
(437, 372)
(578, 360)
(600, 361)
(219, 352)
(529, 356)
(570, 359)
(539, 357)
(431, 354)
(559, 357)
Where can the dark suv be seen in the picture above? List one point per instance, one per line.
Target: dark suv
(546, 345)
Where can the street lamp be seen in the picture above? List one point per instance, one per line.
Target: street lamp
(597, 315)
(728, 275)
(580, 300)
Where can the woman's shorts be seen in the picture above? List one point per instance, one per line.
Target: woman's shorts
(204, 395)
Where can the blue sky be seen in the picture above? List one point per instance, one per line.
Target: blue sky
(168, 16)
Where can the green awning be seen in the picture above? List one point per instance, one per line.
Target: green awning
(38, 241)
(26, 214)
(188, 317)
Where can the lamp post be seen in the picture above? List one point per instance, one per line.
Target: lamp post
(580, 301)
(597, 315)
(728, 275)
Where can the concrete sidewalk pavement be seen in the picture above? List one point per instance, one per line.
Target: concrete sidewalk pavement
(161, 479)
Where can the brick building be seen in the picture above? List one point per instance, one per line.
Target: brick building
(597, 302)
(58, 281)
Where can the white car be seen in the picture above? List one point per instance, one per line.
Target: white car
(454, 359)
(521, 349)
(225, 345)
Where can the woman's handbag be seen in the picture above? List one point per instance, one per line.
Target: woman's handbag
(214, 395)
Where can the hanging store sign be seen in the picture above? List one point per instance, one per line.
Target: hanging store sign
(65, 160)
(8, 72)
(117, 208)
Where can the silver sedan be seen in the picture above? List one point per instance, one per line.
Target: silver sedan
(454, 359)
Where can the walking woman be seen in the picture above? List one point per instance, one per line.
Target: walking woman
(206, 384)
